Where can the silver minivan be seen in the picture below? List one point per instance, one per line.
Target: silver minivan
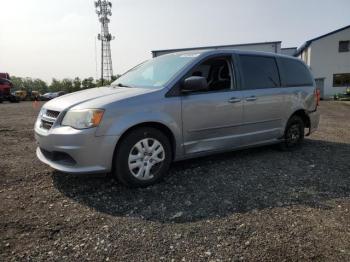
(178, 106)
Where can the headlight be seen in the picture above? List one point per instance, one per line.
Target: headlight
(42, 112)
(81, 119)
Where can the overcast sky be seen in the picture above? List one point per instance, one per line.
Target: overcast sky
(56, 38)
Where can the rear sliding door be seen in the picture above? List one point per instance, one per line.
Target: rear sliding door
(263, 99)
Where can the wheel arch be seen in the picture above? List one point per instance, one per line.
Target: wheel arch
(303, 115)
(153, 124)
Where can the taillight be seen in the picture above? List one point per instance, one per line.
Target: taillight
(317, 96)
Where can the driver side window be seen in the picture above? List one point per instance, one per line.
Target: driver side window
(217, 71)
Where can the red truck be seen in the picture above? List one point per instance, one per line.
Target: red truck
(5, 89)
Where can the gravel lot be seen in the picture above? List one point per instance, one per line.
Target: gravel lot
(256, 204)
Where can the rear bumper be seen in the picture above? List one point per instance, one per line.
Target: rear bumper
(314, 121)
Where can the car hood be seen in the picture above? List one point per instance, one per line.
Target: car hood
(98, 96)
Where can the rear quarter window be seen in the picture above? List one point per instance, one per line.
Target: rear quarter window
(295, 73)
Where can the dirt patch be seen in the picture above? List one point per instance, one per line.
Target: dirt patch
(256, 204)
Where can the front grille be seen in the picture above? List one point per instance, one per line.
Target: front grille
(52, 114)
(48, 119)
(46, 124)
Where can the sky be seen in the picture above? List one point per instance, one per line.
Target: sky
(57, 38)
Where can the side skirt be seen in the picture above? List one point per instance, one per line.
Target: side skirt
(213, 152)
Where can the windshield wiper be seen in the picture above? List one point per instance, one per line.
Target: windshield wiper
(122, 85)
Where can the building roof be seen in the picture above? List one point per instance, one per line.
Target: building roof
(291, 50)
(214, 47)
(308, 43)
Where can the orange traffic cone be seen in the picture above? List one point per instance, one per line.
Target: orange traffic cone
(35, 104)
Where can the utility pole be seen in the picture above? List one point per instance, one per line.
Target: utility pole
(104, 11)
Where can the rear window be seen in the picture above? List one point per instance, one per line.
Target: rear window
(259, 72)
(295, 73)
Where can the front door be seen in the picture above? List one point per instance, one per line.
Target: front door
(212, 118)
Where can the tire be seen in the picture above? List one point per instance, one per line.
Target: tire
(294, 133)
(14, 99)
(143, 157)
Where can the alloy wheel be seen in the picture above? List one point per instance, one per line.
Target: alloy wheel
(145, 158)
(293, 134)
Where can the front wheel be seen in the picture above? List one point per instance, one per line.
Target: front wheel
(143, 157)
(294, 133)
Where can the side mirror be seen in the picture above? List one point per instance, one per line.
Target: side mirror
(194, 83)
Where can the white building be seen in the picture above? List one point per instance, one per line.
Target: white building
(329, 59)
(289, 51)
(273, 47)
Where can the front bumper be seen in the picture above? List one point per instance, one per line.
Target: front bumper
(78, 151)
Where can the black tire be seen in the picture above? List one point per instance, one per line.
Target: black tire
(294, 133)
(121, 159)
(14, 99)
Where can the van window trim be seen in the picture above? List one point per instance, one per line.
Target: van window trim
(175, 90)
(243, 83)
(283, 82)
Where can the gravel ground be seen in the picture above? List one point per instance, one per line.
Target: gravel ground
(256, 204)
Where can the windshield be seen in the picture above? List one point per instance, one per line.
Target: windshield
(156, 72)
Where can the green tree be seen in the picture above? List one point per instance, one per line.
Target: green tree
(88, 83)
(17, 82)
(76, 84)
(67, 85)
(55, 85)
(40, 85)
(106, 82)
(115, 77)
(29, 84)
(99, 83)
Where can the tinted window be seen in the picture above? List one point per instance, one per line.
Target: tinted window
(341, 80)
(344, 46)
(295, 73)
(259, 72)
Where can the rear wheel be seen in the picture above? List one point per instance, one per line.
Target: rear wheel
(294, 133)
(143, 157)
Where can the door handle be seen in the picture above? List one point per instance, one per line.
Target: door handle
(234, 100)
(251, 98)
